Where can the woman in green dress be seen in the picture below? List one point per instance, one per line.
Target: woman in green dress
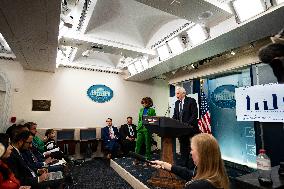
(143, 135)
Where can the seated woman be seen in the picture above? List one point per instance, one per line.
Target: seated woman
(7, 178)
(209, 172)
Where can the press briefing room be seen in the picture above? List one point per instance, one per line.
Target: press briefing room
(143, 94)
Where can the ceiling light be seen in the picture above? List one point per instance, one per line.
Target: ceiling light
(4, 45)
(163, 52)
(195, 66)
(145, 63)
(86, 53)
(138, 66)
(197, 34)
(66, 21)
(279, 1)
(233, 53)
(132, 70)
(176, 45)
(247, 9)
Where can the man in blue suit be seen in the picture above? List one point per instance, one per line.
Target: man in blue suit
(110, 138)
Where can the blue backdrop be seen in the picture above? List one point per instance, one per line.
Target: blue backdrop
(236, 139)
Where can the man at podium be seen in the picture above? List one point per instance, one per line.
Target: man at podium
(186, 111)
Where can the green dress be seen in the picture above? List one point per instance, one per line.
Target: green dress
(143, 136)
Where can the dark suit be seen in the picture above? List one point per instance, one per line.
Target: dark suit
(127, 145)
(110, 145)
(21, 170)
(25, 174)
(34, 163)
(188, 115)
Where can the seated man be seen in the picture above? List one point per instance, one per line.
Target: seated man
(26, 175)
(110, 138)
(36, 163)
(38, 145)
(128, 136)
(37, 142)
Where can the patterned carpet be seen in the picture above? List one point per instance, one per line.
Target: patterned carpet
(97, 174)
(140, 172)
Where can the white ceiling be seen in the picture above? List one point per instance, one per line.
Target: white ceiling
(31, 30)
(105, 34)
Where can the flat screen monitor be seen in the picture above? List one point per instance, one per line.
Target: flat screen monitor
(87, 134)
(65, 134)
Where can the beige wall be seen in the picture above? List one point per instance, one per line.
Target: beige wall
(70, 105)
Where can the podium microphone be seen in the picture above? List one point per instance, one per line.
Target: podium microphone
(168, 110)
(139, 157)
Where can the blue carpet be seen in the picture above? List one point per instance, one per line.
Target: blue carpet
(144, 173)
(97, 174)
(140, 172)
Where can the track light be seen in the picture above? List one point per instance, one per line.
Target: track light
(66, 21)
(194, 66)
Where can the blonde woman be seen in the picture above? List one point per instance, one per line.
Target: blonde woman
(209, 172)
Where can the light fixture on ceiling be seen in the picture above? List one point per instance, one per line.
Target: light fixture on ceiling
(279, 1)
(233, 53)
(194, 66)
(245, 9)
(132, 70)
(184, 38)
(163, 52)
(176, 45)
(4, 47)
(145, 63)
(138, 65)
(86, 53)
(66, 21)
(197, 34)
(63, 50)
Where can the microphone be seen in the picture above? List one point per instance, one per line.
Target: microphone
(168, 110)
(139, 157)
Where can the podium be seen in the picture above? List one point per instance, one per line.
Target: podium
(168, 129)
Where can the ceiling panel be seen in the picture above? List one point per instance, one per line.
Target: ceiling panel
(264, 26)
(190, 10)
(31, 30)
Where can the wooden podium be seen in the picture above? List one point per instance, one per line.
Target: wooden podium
(168, 129)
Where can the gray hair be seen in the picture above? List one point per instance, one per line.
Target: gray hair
(181, 89)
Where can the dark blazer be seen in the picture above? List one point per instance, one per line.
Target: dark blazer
(21, 170)
(31, 160)
(124, 131)
(189, 113)
(105, 134)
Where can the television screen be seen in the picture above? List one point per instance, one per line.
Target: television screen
(87, 134)
(65, 134)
